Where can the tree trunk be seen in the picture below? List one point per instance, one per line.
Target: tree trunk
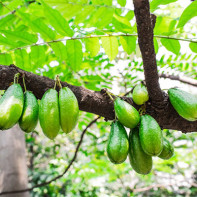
(13, 167)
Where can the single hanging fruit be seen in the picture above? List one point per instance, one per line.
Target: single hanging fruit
(118, 143)
(11, 106)
(139, 160)
(151, 137)
(69, 109)
(184, 103)
(29, 118)
(49, 114)
(168, 150)
(126, 113)
(140, 94)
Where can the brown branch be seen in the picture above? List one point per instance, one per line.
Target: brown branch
(97, 102)
(145, 24)
(182, 79)
(66, 169)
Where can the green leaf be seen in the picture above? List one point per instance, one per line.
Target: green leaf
(5, 59)
(7, 20)
(155, 3)
(92, 45)
(171, 45)
(102, 17)
(130, 15)
(11, 6)
(22, 59)
(74, 54)
(193, 46)
(121, 24)
(156, 46)
(37, 55)
(110, 45)
(60, 50)
(6, 42)
(128, 43)
(57, 21)
(188, 13)
(122, 2)
(38, 26)
(85, 12)
(18, 36)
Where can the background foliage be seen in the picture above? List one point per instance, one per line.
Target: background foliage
(93, 43)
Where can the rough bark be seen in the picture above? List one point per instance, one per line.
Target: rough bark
(13, 168)
(145, 24)
(98, 102)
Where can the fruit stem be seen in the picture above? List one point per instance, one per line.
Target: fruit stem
(59, 82)
(109, 94)
(24, 83)
(16, 76)
(55, 84)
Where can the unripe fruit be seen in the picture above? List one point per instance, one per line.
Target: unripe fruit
(140, 94)
(168, 150)
(29, 118)
(139, 160)
(118, 143)
(126, 113)
(151, 137)
(69, 109)
(49, 114)
(184, 103)
(11, 106)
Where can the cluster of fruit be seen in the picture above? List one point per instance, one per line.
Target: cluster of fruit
(54, 112)
(145, 139)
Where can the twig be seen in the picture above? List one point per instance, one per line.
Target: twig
(182, 79)
(65, 171)
(95, 36)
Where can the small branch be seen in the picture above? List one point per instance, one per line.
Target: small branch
(145, 38)
(66, 169)
(182, 79)
(96, 36)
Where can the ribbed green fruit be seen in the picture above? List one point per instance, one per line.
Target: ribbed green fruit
(151, 137)
(140, 94)
(126, 113)
(49, 114)
(139, 160)
(11, 106)
(118, 143)
(69, 109)
(168, 150)
(29, 118)
(184, 103)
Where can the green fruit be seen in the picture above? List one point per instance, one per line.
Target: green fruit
(150, 136)
(11, 106)
(140, 94)
(118, 143)
(168, 150)
(49, 113)
(29, 118)
(184, 103)
(139, 160)
(69, 109)
(126, 113)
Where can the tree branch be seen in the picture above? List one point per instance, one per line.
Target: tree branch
(97, 102)
(145, 24)
(66, 169)
(182, 79)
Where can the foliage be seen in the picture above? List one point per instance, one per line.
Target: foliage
(93, 44)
